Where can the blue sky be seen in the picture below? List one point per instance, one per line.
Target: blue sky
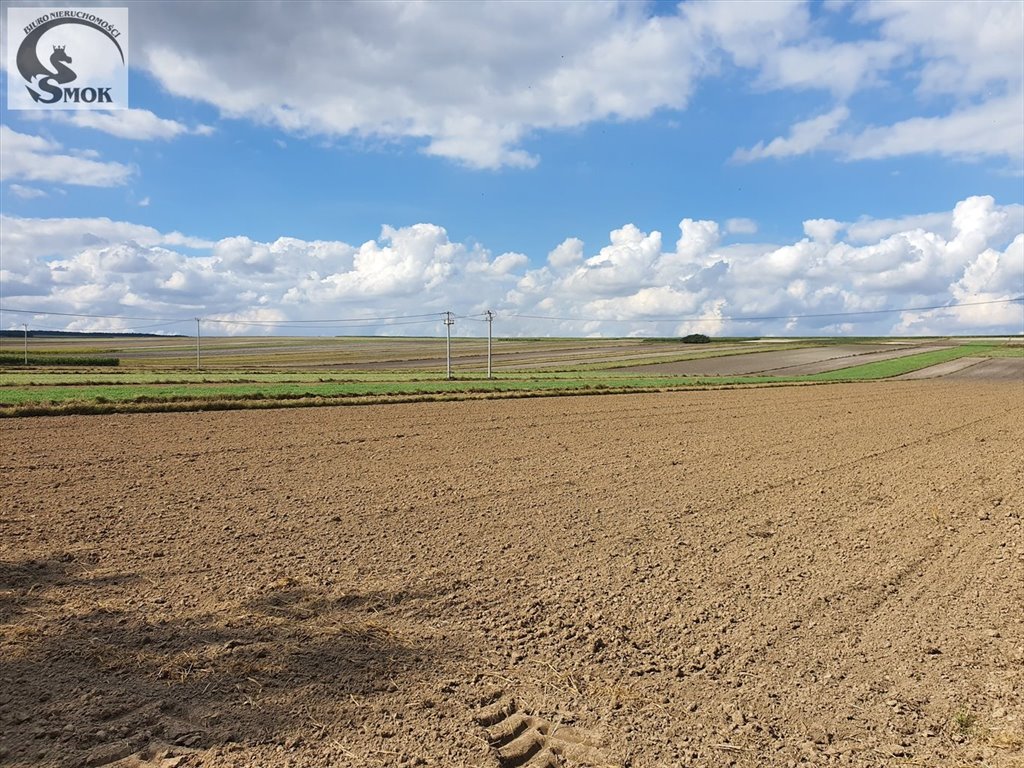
(488, 137)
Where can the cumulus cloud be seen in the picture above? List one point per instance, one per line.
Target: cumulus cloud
(35, 158)
(822, 230)
(1010, 220)
(568, 252)
(634, 284)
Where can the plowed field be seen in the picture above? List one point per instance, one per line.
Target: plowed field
(828, 575)
(788, 362)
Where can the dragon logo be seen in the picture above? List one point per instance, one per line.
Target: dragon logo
(55, 85)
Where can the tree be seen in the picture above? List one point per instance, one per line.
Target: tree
(696, 338)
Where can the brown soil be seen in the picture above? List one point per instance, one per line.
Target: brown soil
(941, 369)
(1008, 369)
(828, 575)
(850, 360)
(760, 362)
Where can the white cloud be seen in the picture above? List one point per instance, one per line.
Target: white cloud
(965, 48)
(630, 285)
(506, 263)
(805, 136)
(741, 226)
(64, 238)
(137, 124)
(972, 51)
(869, 230)
(842, 68)
(696, 238)
(778, 41)
(822, 230)
(34, 158)
(628, 262)
(26, 193)
(751, 32)
(994, 127)
(18, 143)
(651, 302)
(467, 81)
(473, 82)
(866, 230)
(568, 253)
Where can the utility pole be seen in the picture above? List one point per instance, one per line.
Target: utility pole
(25, 326)
(449, 321)
(490, 320)
(198, 360)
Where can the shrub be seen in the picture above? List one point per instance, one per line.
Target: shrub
(696, 338)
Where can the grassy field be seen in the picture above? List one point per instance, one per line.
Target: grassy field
(565, 367)
(884, 369)
(1015, 350)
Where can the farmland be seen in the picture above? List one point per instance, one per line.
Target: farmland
(770, 576)
(156, 374)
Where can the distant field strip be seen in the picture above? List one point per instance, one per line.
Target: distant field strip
(39, 392)
(12, 396)
(884, 369)
(40, 378)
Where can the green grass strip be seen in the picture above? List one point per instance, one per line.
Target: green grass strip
(193, 392)
(15, 379)
(885, 369)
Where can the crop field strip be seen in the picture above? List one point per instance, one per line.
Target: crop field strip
(399, 355)
(29, 392)
(996, 369)
(362, 350)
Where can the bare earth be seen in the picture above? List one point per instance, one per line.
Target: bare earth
(851, 360)
(772, 577)
(942, 369)
(762, 362)
(1007, 369)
